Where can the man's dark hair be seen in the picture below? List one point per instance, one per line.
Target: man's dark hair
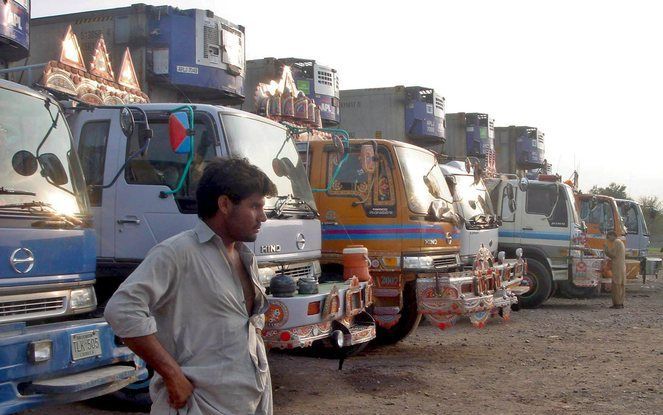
(612, 233)
(233, 177)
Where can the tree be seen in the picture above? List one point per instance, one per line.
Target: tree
(618, 191)
(651, 206)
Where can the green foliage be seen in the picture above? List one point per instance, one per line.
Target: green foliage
(618, 191)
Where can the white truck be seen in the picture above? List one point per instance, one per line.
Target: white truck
(472, 203)
(138, 209)
(541, 217)
(637, 236)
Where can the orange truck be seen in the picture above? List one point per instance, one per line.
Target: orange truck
(392, 198)
(601, 214)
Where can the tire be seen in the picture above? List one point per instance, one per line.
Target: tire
(568, 289)
(408, 322)
(539, 279)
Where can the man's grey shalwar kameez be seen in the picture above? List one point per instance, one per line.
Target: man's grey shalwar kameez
(185, 293)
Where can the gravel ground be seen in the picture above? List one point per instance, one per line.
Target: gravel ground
(571, 356)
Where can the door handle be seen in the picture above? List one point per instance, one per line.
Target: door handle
(527, 228)
(133, 220)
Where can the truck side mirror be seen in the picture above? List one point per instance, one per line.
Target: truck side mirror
(25, 163)
(127, 122)
(52, 169)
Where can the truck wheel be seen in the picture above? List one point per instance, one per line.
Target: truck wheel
(540, 283)
(568, 289)
(409, 320)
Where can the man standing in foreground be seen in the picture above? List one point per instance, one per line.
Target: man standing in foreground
(616, 251)
(194, 308)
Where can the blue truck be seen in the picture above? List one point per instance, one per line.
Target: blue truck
(51, 349)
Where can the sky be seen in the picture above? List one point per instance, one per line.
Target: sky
(587, 73)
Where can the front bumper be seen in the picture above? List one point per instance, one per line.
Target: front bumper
(62, 378)
(298, 321)
(444, 297)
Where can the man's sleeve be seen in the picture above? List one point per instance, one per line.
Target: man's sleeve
(130, 310)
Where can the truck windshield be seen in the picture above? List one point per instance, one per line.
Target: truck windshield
(262, 142)
(474, 198)
(417, 164)
(39, 165)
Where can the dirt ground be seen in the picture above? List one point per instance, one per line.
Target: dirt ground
(569, 356)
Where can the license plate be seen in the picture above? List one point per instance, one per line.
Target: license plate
(85, 345)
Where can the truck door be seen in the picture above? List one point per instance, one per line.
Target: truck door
(360, 206)
(599, 218)
(98, 152)
(547, 224)
(509, 200)
(143, 215)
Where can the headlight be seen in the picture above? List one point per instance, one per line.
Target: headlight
(265, 275)
(418, 262)
(83, 298)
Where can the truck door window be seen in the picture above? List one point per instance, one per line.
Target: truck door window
(630, 219)
(560, 215)
(601, 215)
(384, 193)
(506, 213)
(351, 179)
(549, 201)
(540, 199)
(161, 166)
(92, 152)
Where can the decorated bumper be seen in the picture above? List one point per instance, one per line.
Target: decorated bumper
(337, 312)
(488, 289)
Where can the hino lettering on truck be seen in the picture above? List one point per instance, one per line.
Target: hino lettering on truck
(269, 249)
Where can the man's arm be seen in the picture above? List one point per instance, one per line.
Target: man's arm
(149, 349)
(130, 313)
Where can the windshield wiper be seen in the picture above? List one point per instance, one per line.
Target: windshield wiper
(46, 208)
(4, 191)
(313, 210)
(283, 201)
(279, 206)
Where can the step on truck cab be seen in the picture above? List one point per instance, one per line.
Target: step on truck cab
(50, 351)
(155, 198)
(637, 237)
(541, 217)
(391, 197)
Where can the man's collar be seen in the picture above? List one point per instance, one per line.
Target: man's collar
(203, 232)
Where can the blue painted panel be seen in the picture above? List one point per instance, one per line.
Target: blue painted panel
(56, 253)
(14, 30)
(177, 31)
(420, 119)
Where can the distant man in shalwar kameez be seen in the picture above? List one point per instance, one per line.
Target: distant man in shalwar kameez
(194, 308)
(616, 251)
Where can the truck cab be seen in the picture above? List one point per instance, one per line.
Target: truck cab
(637, 236)
(392, 198)
(146, 205)
(601, 215)
(52, 351)
(479, 223)
(541, 217)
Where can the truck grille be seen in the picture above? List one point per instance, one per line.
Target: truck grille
(442, 262)
(42, 306)
(296, 271)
